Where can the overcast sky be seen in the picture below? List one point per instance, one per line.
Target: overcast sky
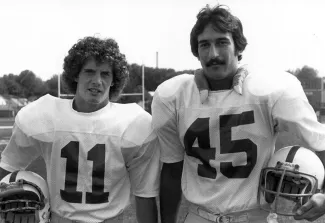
(37, 34)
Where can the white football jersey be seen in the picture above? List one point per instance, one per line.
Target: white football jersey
(93, 159)
(227, 140)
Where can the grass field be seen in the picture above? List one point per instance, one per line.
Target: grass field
(38, 166)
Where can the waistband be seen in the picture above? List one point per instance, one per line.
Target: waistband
(55, 218)
(255, 215)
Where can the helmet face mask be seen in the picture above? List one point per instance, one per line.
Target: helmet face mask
(287, 184)
(286, 188)
(24, 194)
(19, 199)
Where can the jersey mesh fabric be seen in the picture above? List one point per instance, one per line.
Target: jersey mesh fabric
(226, 141)
(92, 159)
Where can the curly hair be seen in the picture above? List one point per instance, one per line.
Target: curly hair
(102, 50)
(222, 20)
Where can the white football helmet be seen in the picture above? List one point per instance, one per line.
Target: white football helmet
(24, 193)
(291, 177)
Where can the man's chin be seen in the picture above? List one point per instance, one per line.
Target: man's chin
(215, 74)
(97, 101)
(94, 101)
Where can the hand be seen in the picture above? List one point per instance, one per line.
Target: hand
(312, 209)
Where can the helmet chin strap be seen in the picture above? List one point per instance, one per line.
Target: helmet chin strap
(37, 219)
(2, 218)
(45, 215)
(295, 208)
(272, 218)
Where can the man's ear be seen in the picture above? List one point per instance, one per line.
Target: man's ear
(239, 55)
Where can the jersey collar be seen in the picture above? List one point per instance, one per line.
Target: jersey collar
(203, 86)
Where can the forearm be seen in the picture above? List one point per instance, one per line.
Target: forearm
(169, 205)
(170, 194)
(146, 209)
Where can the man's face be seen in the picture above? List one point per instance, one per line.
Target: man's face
(94, 82)
(217, 53)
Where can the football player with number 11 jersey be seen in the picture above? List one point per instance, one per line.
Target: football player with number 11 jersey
(217, 129)
(96, 152)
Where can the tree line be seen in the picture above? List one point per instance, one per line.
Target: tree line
(28, 85)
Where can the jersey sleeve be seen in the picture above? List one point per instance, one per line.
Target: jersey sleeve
(31, 122)
(293, 113)
(20, 151)
(141, 154)
(164, 121)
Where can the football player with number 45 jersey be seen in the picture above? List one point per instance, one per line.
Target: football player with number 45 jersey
(96, 152)
(217, 129)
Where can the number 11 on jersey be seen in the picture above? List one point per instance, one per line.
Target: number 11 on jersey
(95, 154)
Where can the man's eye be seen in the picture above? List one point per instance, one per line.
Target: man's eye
(203, 45)
(106, 73)
(223, 43)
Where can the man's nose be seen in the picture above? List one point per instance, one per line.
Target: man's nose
(97, 78)
(213, 52)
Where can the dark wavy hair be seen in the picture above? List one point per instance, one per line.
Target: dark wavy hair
(102, 50)
(222, 20)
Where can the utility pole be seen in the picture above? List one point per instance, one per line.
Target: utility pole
(59, 89)
(143, 99)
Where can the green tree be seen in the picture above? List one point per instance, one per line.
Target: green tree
(305, 72)
(308, 73)
(3, 87)
(12, 86)
(52, 85)
(30, 84)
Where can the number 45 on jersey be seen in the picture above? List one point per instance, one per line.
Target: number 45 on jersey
(200, 130)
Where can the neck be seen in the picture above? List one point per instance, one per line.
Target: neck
(82, 106)
(220, 84)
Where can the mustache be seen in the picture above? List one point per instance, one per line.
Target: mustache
(215, 61)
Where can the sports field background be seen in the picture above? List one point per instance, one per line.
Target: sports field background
(38, 166)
